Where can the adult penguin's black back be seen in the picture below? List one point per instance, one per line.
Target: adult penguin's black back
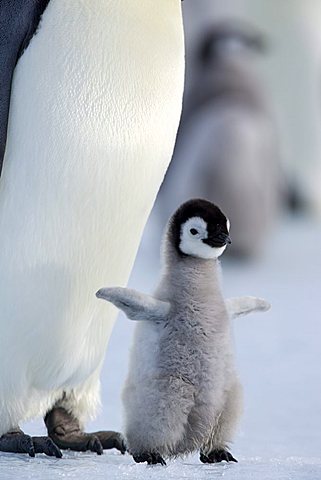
(19, 20)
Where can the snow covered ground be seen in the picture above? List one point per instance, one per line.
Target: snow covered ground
(278, 356)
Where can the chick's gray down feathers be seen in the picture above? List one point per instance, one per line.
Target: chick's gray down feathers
(182, 392)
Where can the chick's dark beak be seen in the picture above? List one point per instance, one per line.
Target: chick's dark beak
(224, 238)
(228, 240)
(218, 240)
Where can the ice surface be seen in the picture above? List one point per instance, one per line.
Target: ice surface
(113, 467)
(278, 357)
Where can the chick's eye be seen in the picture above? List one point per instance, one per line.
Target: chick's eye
(193, 231)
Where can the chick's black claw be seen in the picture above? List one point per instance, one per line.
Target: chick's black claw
(158, 459)
(216, 456)
(150, 458)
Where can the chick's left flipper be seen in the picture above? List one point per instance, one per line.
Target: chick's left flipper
(241, 306)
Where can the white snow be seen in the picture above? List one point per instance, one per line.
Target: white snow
(278, 356)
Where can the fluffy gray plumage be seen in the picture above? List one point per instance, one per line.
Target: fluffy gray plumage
(182, 392)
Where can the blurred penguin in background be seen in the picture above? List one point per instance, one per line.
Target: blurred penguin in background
(227, 148)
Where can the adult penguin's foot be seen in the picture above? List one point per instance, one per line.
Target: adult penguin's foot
(16, 441)
(65, 431)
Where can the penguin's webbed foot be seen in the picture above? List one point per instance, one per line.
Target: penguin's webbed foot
(216, 456)
(151, 458)
(65, 431)
(16, 441)
(110, 439)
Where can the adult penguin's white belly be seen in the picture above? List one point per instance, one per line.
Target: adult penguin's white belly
(95, 106)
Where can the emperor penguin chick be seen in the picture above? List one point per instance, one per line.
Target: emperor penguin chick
(182, 393)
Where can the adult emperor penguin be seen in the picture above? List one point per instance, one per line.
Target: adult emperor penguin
(91, 96)
(182, 393)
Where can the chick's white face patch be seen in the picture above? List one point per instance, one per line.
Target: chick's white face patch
(193, 232)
